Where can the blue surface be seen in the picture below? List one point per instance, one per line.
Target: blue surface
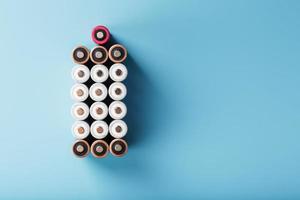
(214, 101)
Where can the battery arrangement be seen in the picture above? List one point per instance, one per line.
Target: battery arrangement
(98, 92)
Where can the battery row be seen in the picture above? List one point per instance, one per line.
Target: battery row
(98, 93)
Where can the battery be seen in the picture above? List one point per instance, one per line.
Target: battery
(99, 129)
(99, 149)
(81, 148)
(79, 92)
(117, 110)
(118, 147)
(80, 73)
(98, 92)
(80, 111)
(98, 110)
(80, 55)
(118, 72)
(80, 129)
(100, 35)
(117, 91)
(99, 73)
(118, 128)
(117, 53)
(99, 55)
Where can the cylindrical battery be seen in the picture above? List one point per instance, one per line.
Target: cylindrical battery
(98, 110)
(117, 91)
(118, 72)
(99, 55)
(117, 53)
(99, 129)
(99, 73)
(117, 110)
(80, 111)
(80, 55)
(98, 92)
(118, 147)
(118, 128)
(81, 148)
(80, 130)
(100, 35)
(79, 92)
(80, 73)
(99, 149)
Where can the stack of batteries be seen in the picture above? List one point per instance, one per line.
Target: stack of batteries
(99, 111)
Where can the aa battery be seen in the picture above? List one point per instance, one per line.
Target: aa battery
(98, 110)
(100, 35)
(99, 149)
(98, 92)
(80, 130)
(99, 55)
(118, 72)
(99, 129)
(118, 128)
(117, 110)
(118, 147)
(81, 148)
(79, 92)
(117, 53)
(80, 73)
(80, 111)
(117, 91)
(80, 55)
(99, 73)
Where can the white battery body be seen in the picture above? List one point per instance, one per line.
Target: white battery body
(98, 92)
(99, 73)
(80, 129)
(79, 92)
(117, 110)
(99, 110)
(99, 129)
(80, 73)
(80, 111)
(117, 91)
(118, 72)
(118, 128)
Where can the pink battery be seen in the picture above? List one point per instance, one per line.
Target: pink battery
(100, 35)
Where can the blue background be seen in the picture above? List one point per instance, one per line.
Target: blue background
(214, 101)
